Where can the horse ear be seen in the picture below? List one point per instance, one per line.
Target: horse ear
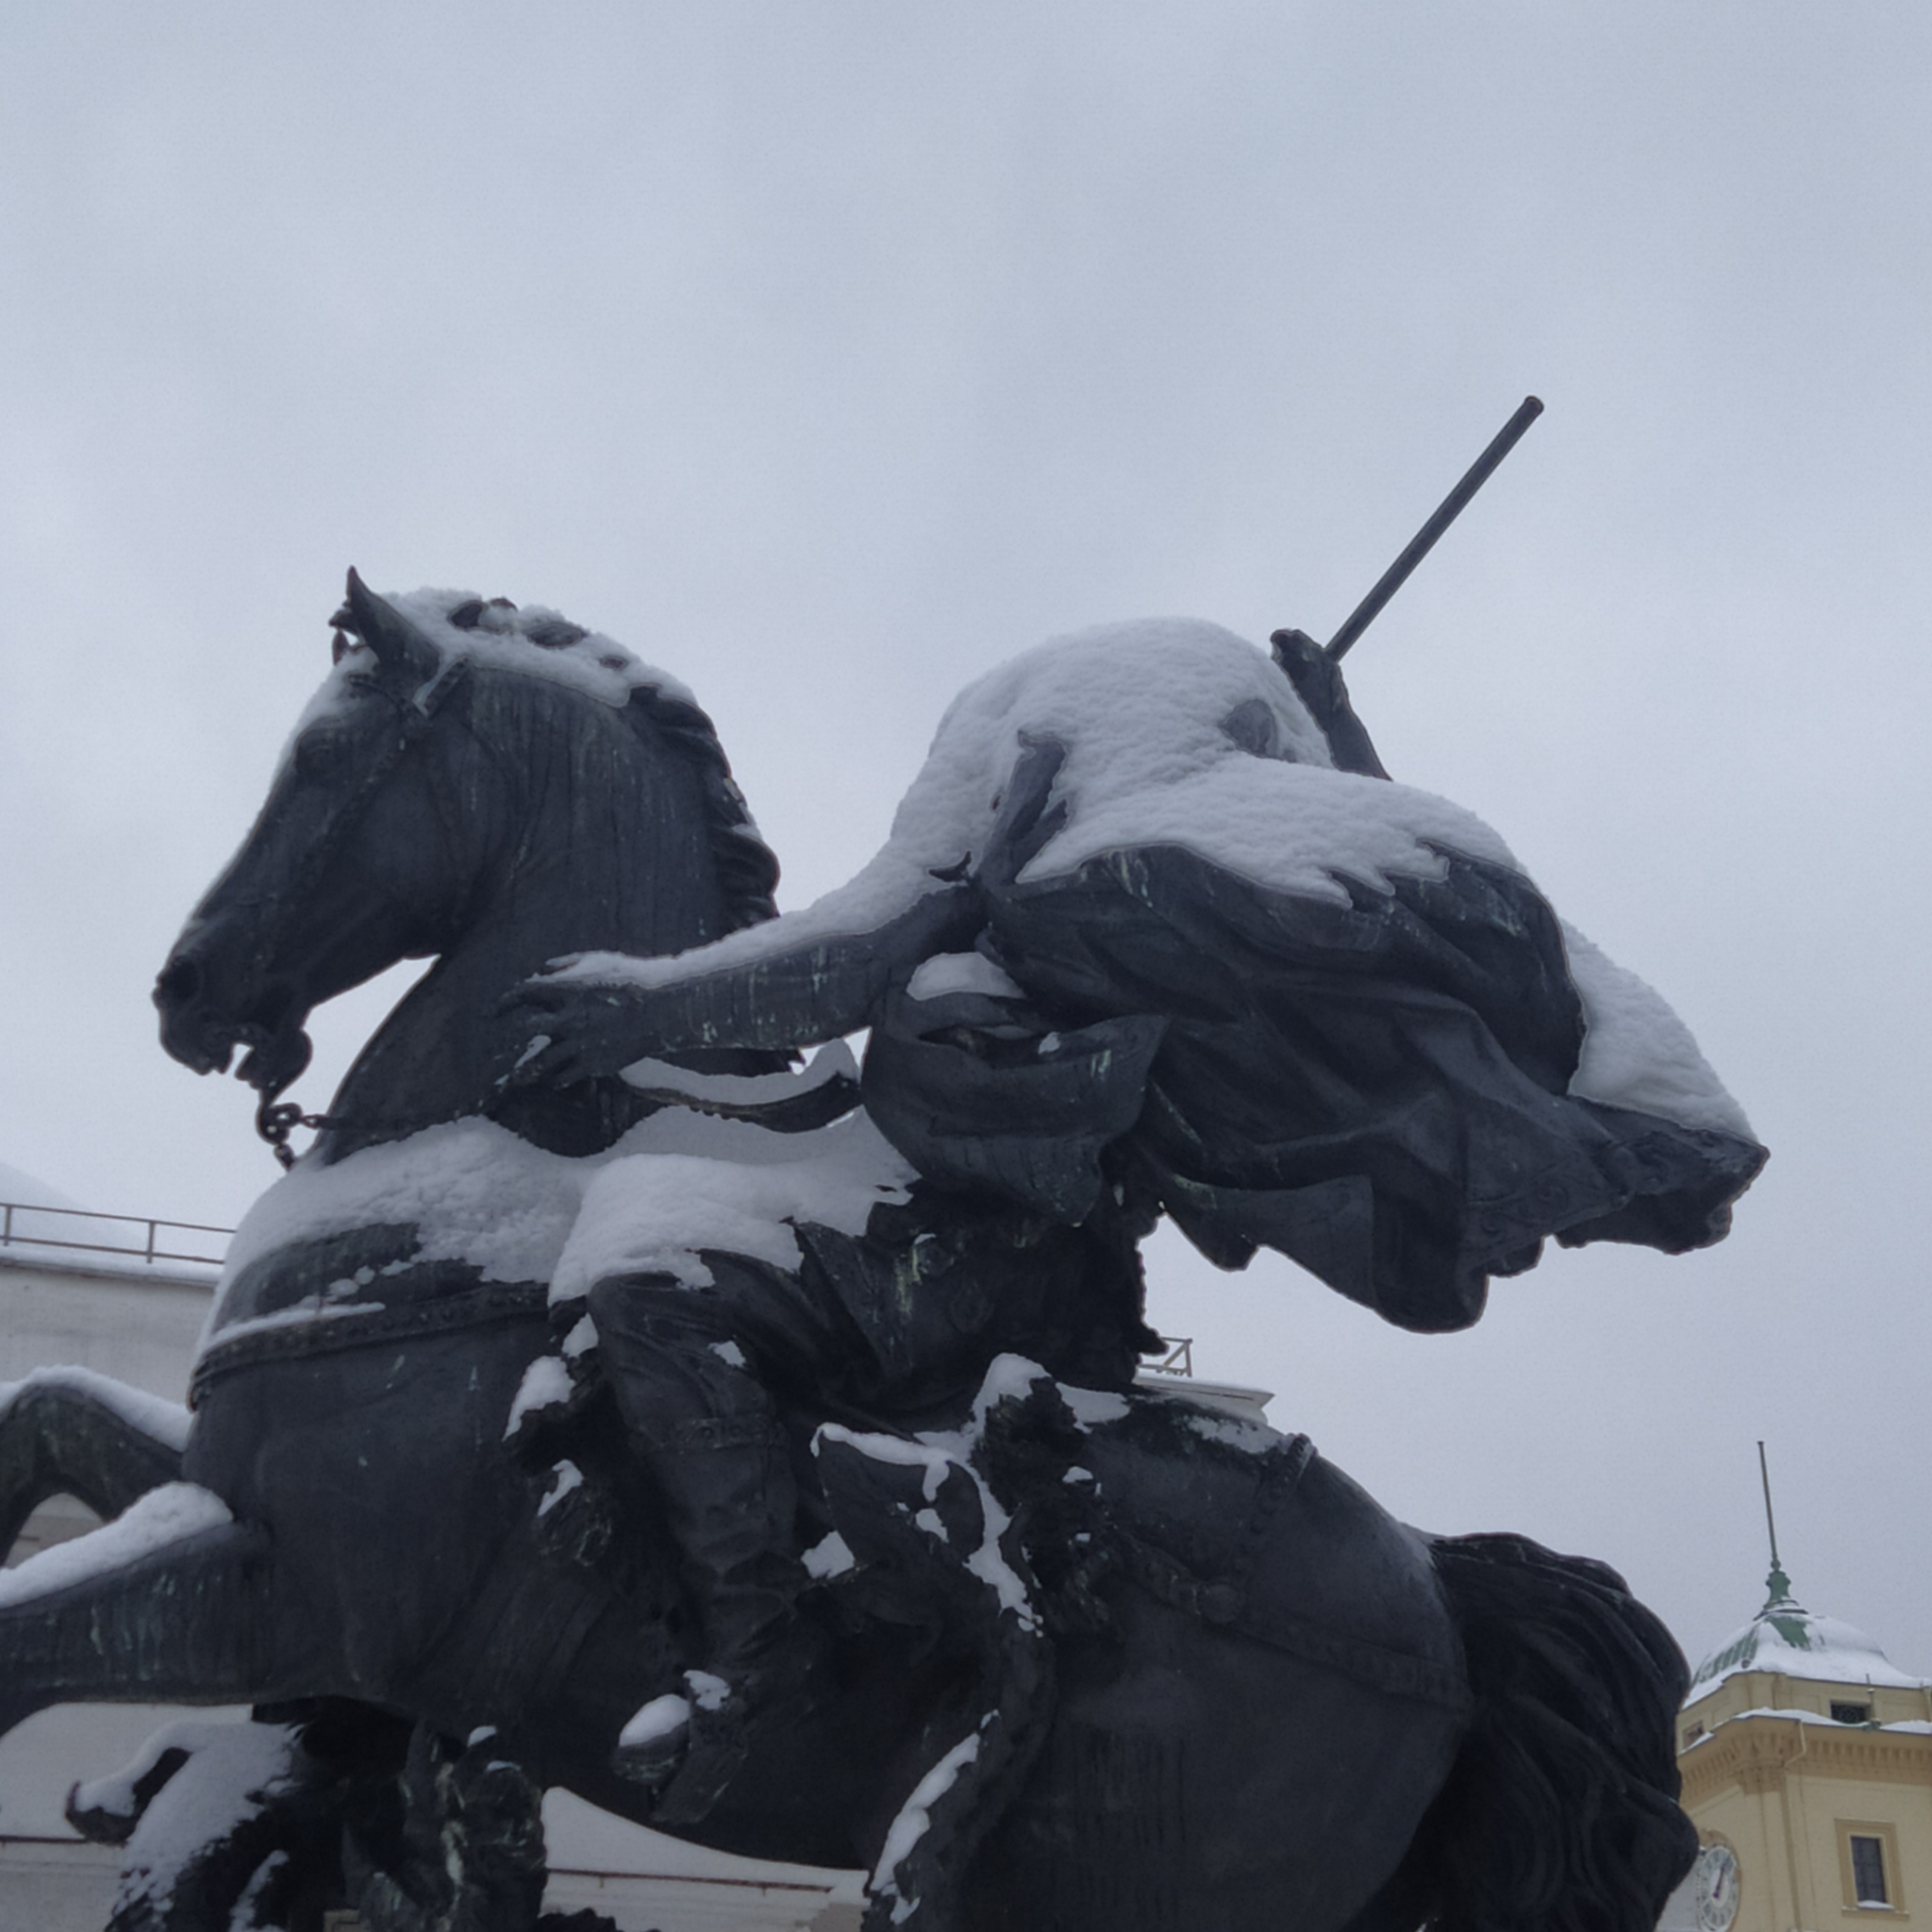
(400, 647)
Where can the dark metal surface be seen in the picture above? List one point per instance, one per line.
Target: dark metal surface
(1212, 1686)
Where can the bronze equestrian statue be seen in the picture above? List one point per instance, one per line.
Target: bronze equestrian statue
(607, 1399)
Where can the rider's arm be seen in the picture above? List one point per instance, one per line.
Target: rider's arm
(583, 1023)
(819, 991)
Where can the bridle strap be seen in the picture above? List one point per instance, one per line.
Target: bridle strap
(274, 1121)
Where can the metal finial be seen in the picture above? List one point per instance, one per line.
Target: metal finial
(1777, 1584)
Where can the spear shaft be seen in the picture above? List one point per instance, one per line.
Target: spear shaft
(1424, 541)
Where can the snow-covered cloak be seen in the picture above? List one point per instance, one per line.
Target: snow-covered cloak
(1133, 932)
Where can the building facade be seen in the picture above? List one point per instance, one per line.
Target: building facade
(1807, 1758)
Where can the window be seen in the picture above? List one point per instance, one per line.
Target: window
(1850, 1713)
(1867, 1870)
(1692, 1735)
(1869, 1867)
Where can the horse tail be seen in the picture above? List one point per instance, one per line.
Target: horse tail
(1561, 1811)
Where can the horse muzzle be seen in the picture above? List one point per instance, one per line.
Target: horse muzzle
(203, 1021)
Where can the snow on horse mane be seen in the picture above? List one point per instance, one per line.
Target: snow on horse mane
(533, 640)
(1147, 711)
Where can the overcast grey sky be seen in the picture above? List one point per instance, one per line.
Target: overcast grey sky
(828, 354)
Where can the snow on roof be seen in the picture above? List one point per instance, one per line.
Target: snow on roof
(25, 1190)
(1785, 1638)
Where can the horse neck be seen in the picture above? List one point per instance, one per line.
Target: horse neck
(596, 841)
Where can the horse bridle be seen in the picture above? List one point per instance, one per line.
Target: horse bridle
(274, 1121)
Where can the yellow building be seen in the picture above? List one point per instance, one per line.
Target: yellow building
(1806, 1758)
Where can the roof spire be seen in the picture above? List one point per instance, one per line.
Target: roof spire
(1777, 1585)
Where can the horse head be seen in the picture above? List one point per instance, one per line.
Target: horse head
(346, 870)
(474, 784)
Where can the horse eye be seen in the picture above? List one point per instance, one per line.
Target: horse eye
(321, 755)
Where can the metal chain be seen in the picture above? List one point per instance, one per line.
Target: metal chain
(274, 1122)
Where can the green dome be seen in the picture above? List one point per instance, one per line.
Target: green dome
(1786, 1638)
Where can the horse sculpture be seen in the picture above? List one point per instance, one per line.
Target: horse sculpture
(1092, 1660)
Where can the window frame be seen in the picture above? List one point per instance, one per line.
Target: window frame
(1887, 1836)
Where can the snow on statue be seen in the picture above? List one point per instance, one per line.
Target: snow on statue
(1131, 852)
(1136, 945)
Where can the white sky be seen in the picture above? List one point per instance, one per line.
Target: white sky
(829, 354)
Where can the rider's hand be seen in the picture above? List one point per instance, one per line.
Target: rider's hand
(1320, 685)
(577, 1031)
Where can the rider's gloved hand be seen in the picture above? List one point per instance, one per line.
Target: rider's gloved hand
(576, 1030)
(1318, 682)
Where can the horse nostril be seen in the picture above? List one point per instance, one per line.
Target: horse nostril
(179, 981)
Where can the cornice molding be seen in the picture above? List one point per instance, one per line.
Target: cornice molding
(1757, 1753)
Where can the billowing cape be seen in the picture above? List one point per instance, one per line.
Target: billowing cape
(1133, 932)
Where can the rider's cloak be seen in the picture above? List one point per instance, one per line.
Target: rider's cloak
(1134, 934)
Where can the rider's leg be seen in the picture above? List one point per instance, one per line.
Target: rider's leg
(703, 1423)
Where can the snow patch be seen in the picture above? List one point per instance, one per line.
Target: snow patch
(546, 1384)
(1636, 1051)
(1141, 709)
(915, 1819)
(951, 973)
(709, 1690)
(233, 1771)
(658, 1213)
(1786, 1640)
(564, 1477)
(939, 1454)
(164, 1422)
(831, 1555)
(1251, 1436)
(165, 1516)
(1093, 1407)
(477, 1194)
(505, 640)
(658, 1719)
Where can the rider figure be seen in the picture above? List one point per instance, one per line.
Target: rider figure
(1034, 1251)
(1210, 998)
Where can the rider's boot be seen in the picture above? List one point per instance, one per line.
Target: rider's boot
(727, 1487)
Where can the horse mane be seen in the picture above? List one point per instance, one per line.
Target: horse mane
(748, 867)
(538, 640)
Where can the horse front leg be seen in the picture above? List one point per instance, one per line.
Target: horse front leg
(168, 1605)
(71, 1432)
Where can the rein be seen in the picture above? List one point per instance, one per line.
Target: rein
(275, 1121)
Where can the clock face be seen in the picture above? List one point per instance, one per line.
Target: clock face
(1714, 1885)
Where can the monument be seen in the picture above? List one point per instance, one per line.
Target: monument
(610, 1398)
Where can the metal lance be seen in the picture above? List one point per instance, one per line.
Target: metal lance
(1424, 541)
